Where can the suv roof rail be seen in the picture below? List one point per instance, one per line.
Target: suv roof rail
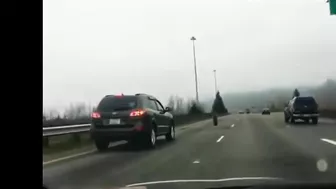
(142, 94)
(304, 97)
(146, 95)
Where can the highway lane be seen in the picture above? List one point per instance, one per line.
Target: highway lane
(240, 146)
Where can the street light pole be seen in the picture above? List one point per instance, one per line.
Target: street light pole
(216, 89)
(196, 83)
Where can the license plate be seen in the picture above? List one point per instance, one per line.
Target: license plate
(114, 121)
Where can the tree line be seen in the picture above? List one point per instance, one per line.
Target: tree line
(276, 99)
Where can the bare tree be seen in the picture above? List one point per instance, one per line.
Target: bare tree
(326, 95)
(171, 103)
(178, 105)
(44, 117)
(52, 114)
(77, 111)
(179, 108)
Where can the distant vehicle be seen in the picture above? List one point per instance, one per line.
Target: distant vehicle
(248, 111)
(241, 112)
(266, 111)
(138, 118)
(304, 108)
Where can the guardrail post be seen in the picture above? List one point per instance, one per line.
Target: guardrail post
(45, 142)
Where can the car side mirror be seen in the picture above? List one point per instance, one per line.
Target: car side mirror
(168, 109)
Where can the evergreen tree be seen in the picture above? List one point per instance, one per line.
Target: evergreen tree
(218, 105)
(296, 93)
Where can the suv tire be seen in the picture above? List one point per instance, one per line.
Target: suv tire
(286, 119)
(292, 120)
(315, 120)
(150, 139)
(215, 120)
(170, 136)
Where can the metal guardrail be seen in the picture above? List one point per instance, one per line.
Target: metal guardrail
(79, 128)
(62, 130)
(72, 129)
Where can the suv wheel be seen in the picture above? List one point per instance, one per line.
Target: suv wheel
(102, 145)
(151, 139)
(286, 119)
(292, 120)
(315, 120)
(171, 135)
(215, 120)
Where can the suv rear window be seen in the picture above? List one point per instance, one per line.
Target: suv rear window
(109, 104)
(305, 101)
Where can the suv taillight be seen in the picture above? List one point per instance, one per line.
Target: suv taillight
(95, 115)
(136, 113)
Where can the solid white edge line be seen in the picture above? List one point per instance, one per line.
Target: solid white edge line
(329, 141)
(81, 154)
(205, 180)
(68, 157)
(220, 138)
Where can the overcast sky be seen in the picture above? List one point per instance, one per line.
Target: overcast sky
(96, 47)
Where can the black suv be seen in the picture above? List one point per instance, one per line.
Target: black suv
(304, 108)
(266, 111)
(138, 118)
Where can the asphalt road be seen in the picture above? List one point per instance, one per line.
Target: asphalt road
(240, 146)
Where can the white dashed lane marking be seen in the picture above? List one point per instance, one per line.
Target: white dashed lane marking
(328, 141)
(196, 161)
(220, 138)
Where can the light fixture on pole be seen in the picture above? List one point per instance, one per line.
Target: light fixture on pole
(196, 83)
(216, 89)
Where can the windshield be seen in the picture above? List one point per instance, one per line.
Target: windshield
(305, 101)
(110, 104)
(188, 93)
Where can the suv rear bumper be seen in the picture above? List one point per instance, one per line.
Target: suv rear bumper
(303, 116)
(116, 134)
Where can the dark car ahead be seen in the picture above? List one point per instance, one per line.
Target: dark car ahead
(248, 111)
(304, 108)
(266, 111)
(138, 119)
